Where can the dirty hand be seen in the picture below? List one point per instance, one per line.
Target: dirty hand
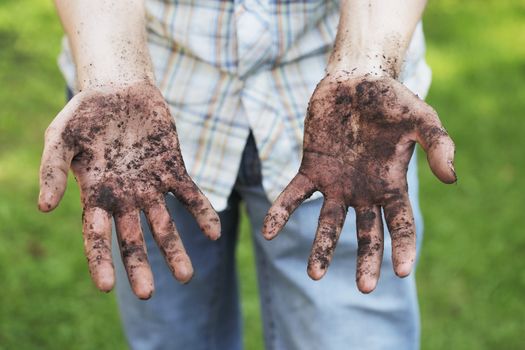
(122, 146)
(359, 137)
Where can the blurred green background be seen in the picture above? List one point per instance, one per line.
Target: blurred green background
(472, 268)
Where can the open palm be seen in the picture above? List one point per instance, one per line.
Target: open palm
(359, 137)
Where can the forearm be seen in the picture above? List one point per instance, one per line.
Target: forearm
(108, 40)
(373, 36)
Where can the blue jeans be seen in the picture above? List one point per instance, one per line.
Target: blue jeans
(297, 313)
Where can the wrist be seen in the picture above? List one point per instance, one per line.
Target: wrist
(111, 48)
(113, 69)
(373, 64)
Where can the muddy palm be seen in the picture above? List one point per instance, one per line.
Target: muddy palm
(121, 143)
(359, 137)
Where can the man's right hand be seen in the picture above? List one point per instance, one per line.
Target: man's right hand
(122, 146)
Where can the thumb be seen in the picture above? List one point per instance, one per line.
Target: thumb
(54, 167)
(438, 145)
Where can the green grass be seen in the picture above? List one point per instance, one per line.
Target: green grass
(472, 268)
(472, 272)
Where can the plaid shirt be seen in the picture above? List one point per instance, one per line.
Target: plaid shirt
(228, 67)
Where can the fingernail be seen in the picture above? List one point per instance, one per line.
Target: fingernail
(266, 231)
(451, 166)
(44, 202)
(187, 275)
(316, 271)
(39, 201)
(367, 286)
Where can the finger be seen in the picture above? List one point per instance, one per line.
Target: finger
(169, 241)
(400, 223)
(331, 220)
(299, 189)
(134, 254)
(369, 247)
(438, 145)
(200, 207)
(97, 246)
(54, 167)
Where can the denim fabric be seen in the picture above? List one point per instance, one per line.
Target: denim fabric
(298, 313)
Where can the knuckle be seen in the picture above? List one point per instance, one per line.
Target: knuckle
(170, 243)
(165, 224)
